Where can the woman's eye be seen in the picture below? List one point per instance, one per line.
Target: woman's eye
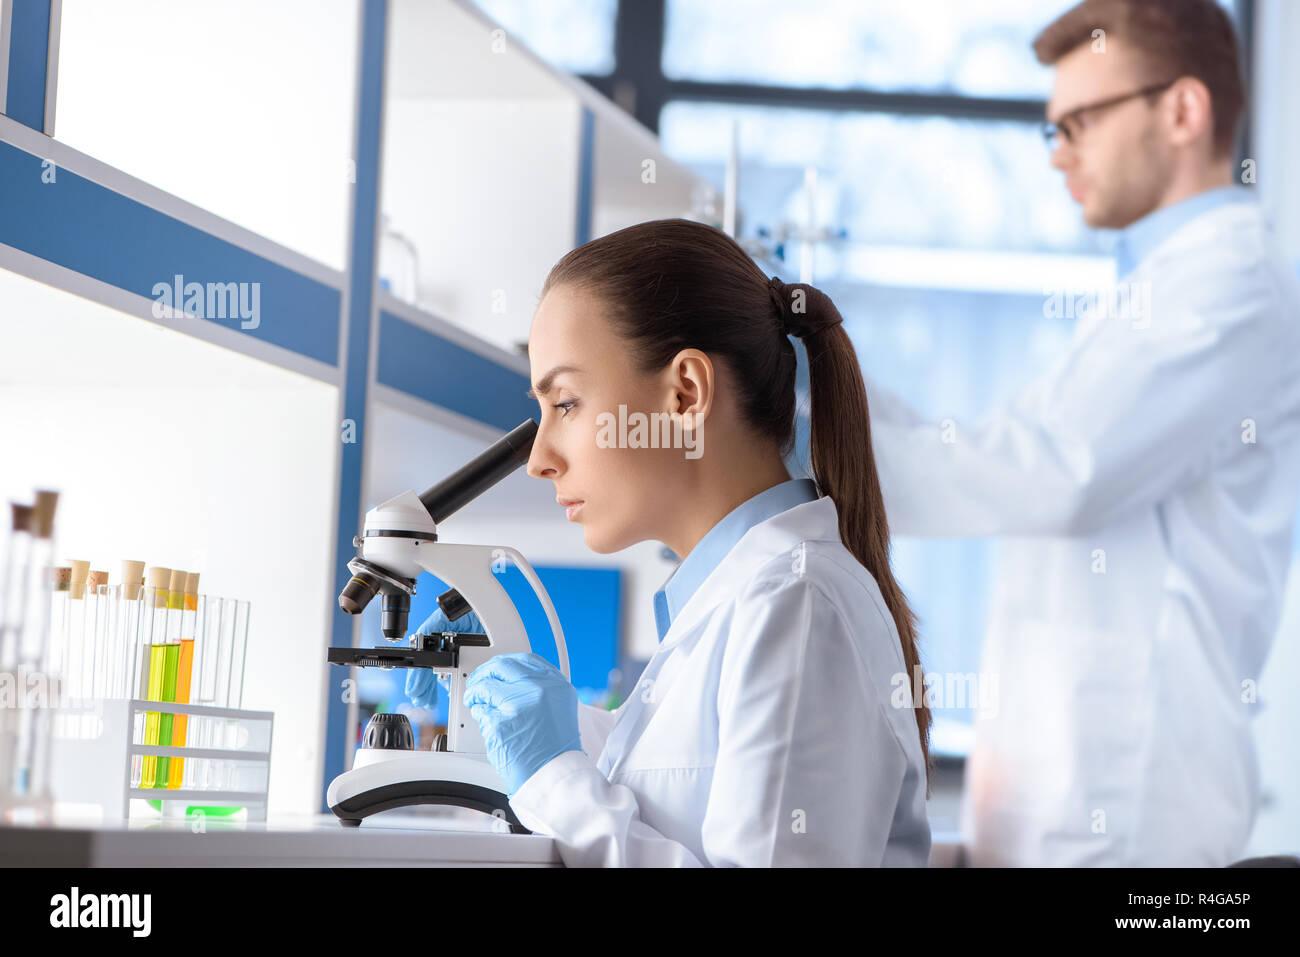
(566, 406)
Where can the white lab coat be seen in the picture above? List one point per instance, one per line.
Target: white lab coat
(761, 732)
(1150, 478)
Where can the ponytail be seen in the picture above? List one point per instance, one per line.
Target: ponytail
(843, 465)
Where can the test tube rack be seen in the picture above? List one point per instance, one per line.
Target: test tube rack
(95, 746)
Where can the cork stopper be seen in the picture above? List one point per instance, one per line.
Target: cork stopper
(94, 580)
(22, 517)
(158, 578)
(132, 579)
(77, 586)
(58, 577)
(192, 584)
(176, 589)
(43, 513)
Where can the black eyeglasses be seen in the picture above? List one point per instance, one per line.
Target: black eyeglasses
(1064, 126)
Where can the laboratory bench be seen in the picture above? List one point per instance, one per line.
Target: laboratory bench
(436, 837)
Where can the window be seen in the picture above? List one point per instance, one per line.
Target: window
(574, 35)
(973, 48)
(885, 178)
(944, 221)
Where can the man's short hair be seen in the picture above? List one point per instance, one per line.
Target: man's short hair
(1175, 38)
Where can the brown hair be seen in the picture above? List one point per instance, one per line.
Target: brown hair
(1176, 38)
(674, 284)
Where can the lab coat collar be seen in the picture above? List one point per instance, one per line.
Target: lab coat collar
(720, 540)
(1140, 239)
(782, 535)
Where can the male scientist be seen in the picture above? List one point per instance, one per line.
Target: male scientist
(1146, 483)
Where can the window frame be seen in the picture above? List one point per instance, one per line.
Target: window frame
(638, 83)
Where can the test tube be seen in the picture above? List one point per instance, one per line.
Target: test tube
(100, 595)
(196, 726)
(78, 629)
(14, 595)
(214, 678)
(33, 640)
(214, 653)
(17, 568)
(238, 655)
(59, 578)
(29, 781)
(235, 692)
(125, 626)
(141, 646)
(153, 665)
(200, 734)
(170, 664)
(184, 674)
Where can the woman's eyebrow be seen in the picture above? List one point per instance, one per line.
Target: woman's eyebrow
(543, 387)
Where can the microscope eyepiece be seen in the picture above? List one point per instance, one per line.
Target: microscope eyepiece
(473, 479)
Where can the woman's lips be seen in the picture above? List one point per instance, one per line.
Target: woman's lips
(572, 510)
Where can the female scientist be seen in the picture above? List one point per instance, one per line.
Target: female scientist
(775, 724)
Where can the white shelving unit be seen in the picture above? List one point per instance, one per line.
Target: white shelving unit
(200, 443)
(495, 165)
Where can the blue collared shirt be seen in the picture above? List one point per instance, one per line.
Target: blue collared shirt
(718, 542)
(1135, 242)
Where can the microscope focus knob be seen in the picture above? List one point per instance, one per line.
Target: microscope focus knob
(390, 732)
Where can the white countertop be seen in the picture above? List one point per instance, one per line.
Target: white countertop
(405, 838)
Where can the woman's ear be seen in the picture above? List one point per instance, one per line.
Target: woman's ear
(691, 387)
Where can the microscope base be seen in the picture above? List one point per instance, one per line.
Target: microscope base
(381, 780)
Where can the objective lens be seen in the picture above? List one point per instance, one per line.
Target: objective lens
(357, 593)
(397, 607)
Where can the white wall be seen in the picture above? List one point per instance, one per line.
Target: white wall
(487, 191)
(182, 454)
(240, 106)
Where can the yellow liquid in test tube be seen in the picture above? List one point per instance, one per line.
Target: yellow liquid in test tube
(184, 670)
(157, 665)
(184, 675)
(171, 660)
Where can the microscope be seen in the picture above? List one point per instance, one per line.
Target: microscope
(400, 539)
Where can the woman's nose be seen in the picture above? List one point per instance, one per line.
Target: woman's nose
(541, 463)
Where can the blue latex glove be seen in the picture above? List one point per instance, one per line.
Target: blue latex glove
(527, 712)
(420, 685)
